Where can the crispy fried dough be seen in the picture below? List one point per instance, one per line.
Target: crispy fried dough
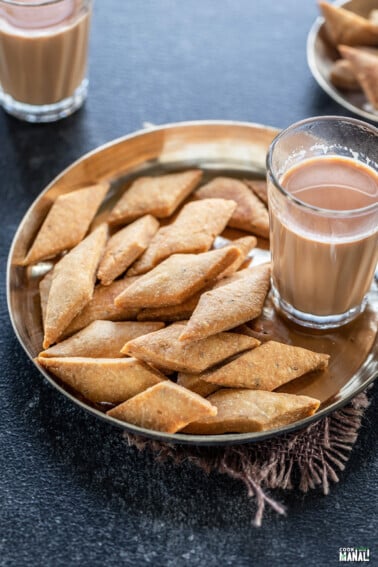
(177, 278)
(164, 407)
(259, 187)
(365, 67)
(163, 348)
(348, 28)
(73, 283)
(158, 196)
(343, 77)
(195, 383)
(44, 290)
(245, 245)
(193, 231)
(101, 307)
(67, 222)
(267, 367)
(124, 247)
(229, 305)
(246, 411)
(101, 339)
(179, 312)
(250, 214)
(112, 380)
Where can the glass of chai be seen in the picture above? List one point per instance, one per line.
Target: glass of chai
(43, 57)
(323, 207)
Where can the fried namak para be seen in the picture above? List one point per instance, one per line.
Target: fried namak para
(67, 222)
(177, 278)
(165, 407)
(101, 339)
(267, 367)
(192, 232)
(229, 304)
(101, 307)
(73, 284)
(163, 348)
(246, 411)
(343, 77)
(125, 246)
(44, 290)
(245, 245)
(112, 380)
(171, 313)
(250, 214)
(346, 27)
(259, 187)
(195, 383)
(365, 68)
(158, 196)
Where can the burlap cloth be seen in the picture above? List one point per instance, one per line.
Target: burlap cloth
(302, 460)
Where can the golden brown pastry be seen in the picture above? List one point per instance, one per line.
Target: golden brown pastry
(245, 245)
(165, 407)
(193, 231)
(250, 214)
(171, 313)
(67, 222)
(177, 278)
(259, 187)
(112, 380)
(346, 27)
(246, 411)
(102, 307)
(365, 67)
(163, 348)
(125, 246)
(267, 367)
(343, 77)
(73, 284)
(230, 304)
(195, 383)
(158, 196)
(44, 290)
(101, 339)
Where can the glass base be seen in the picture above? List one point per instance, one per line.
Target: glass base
(315, 321)
(45, 112)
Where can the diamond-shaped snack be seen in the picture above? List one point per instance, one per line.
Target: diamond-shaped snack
(259, 187)
(250, 214)
(229, 304)
(163, 348)
(44, 290)
(165, 407)
(195, 383)
(177, 278)
(101, 339)
(112, 380)
(67, 222)
(267, 367)
(170, 313)
(73, 284)
(158, 196)
(101, 307)
(245, 245)
(365, 68)
(193, 231)
(343, 77)
(125, 246)
(346, 27)
(246, 411)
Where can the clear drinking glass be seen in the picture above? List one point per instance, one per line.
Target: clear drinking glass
(43, 57)
(323, 206)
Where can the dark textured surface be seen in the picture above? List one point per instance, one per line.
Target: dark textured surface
(72, 492)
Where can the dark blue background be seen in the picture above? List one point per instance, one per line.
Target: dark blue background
(72, 492)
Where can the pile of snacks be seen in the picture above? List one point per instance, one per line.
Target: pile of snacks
(148, 317)
(356, 39)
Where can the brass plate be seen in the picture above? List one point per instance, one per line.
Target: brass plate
(321, 55)
(238, 149)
